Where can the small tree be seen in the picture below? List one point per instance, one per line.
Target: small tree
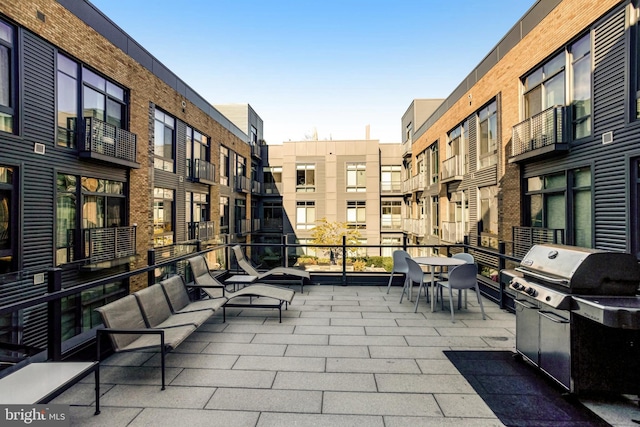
(331, 233)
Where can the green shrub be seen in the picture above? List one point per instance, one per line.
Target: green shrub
(359, 265)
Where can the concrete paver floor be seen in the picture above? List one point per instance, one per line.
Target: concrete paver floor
(342, 356)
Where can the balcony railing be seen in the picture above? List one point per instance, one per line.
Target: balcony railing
(525, 237)
(242, 184)
(539, 134)
(418, 182)
(454, 168)
(203, 230)
(272, 224)
(256, 187)
(272, 188)
(256, 224)
(108, 244)
(406, 148)
(453, 232)
(243, 226)
(407, 186)
(200, 170)
(414, 226)
(255, 150)
(109, 143)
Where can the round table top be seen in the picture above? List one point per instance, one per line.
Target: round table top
(438, 260)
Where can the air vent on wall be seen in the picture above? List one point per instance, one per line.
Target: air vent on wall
(39, 148)
(607, 137)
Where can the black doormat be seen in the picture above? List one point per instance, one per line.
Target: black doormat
(518, 393)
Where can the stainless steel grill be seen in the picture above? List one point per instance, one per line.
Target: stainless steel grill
(577, 311)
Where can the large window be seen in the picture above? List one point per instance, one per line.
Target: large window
(7, 76)
(391, 178)
(273, 215)
(356, 214)
(197, 207)
(391, 218)
(224, 214)
(85, 203)
(224, 165)
(356, 178)
(305, 215)
(581, 102)
(434, 163)
(305, 178)
(562, 201)
(488, 224)
(488, 136)
(100, 99)
(434, 218)
(197, 151)
(272, 176)
(240, 215)
(545, 86)
(164, 141)
(8, 218)
(163, 208)
(550, 85)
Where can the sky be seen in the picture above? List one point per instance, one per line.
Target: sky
(330, 67)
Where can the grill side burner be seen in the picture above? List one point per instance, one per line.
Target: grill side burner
(577, 315)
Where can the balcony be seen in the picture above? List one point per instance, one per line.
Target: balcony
(414, 226)
(242, 184)
(243, 226)
(107, 247)
(256, 225)
(453, 232)
(201, 171)
(105, 142)
(256, 151)
(454, 168)
(203, 230)
(406, 148)
(272, 224)
(540, 136)
(418, 182)
(407, 186)
(272, 188)
(256, 187)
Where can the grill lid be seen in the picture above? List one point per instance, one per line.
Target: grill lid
(582, 270)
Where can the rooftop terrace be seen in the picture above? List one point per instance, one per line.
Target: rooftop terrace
(343, 355)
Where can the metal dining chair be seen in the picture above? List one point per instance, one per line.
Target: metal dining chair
(462, 277)
(399, 267)
(469, 259)
(416, 275)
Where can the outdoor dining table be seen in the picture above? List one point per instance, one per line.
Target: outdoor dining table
(433, 262)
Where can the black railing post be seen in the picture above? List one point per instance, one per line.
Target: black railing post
(54, 314)
(151, 260)
(285, 252)
(344, 260)
(501, 265)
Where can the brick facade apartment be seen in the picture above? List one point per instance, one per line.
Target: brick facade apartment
(106, 154)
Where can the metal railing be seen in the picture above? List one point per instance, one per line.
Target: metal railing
(201, 170)
(453, 231)
(203, 230)
(543, 129)
(525, 237)
(454, 167)
(48, 296)
(391, 187)
(106, 139)
(242, 184)
(106, 244)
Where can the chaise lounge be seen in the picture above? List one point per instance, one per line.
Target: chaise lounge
(275, 275)
(276, 296)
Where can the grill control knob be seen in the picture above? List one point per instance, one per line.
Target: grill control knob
(530, 291)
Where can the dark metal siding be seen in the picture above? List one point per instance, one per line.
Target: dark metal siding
(609, 163)
(610, 61)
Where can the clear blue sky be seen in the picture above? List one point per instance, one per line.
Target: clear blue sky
(332, 65)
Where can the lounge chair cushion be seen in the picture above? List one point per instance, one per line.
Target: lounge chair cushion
(178, 297)
(157, 311)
